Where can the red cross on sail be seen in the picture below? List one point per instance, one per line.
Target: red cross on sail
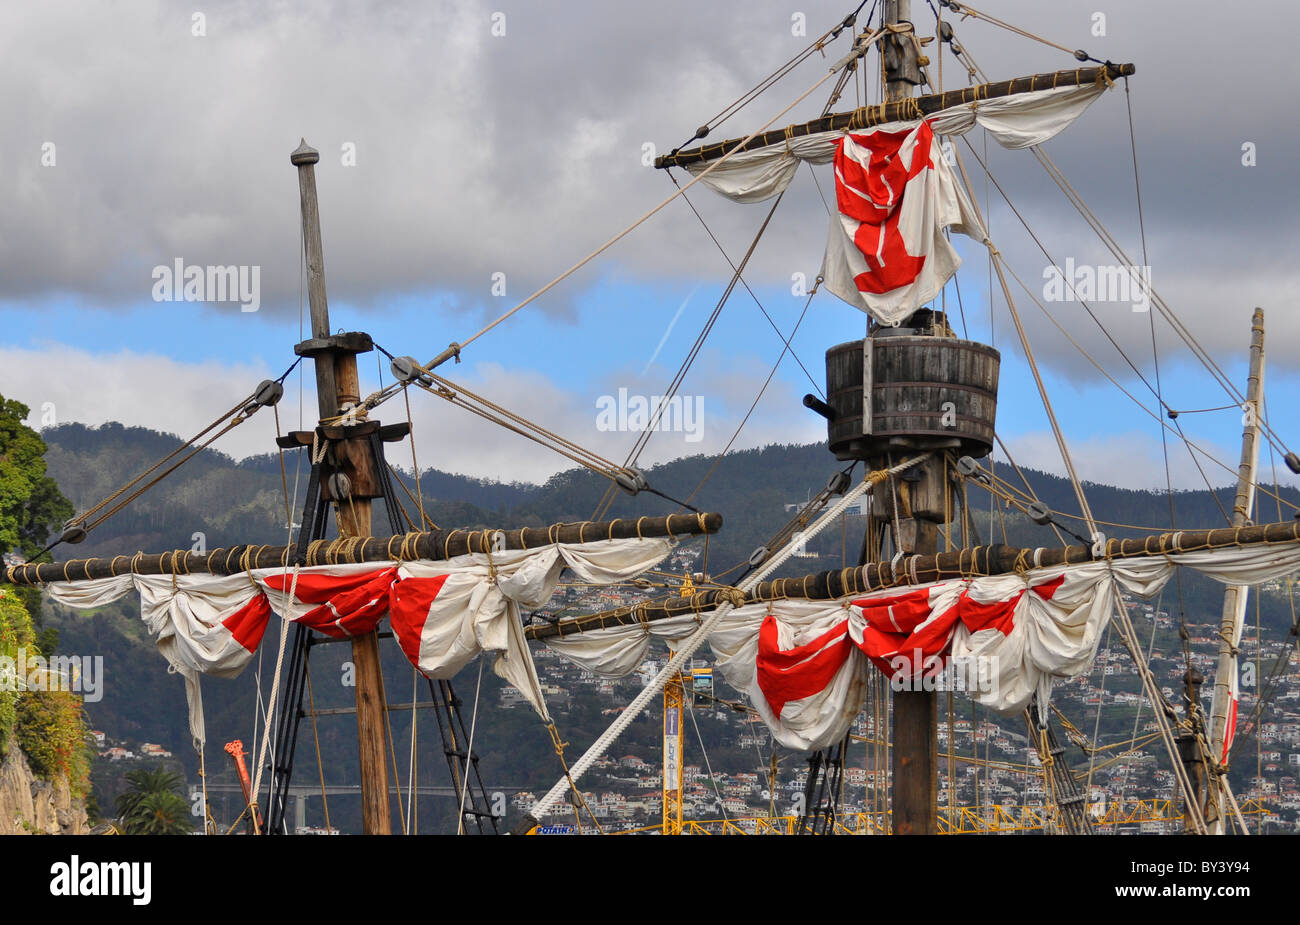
(443, 613)
(908, 636)
(895, 194)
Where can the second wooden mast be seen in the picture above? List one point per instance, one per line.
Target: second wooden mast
(337, 392)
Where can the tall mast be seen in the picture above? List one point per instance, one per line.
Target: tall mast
(898, 55)
(1234, 598)
(337, 390)
(915, 752)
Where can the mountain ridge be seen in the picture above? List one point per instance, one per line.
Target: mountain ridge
(218, 501)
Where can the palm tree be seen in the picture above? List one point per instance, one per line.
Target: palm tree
(160, 813)
(153, 804)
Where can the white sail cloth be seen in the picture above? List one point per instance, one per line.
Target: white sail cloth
(443, 613)
(1019, 121)
(803, 664)
(896, 194)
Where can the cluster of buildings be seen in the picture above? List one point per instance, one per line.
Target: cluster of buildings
(119, 751)
(628, 790)
(995, 763)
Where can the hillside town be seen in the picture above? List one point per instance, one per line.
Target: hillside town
(1130, 788)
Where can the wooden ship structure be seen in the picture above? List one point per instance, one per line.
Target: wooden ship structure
(911, 403)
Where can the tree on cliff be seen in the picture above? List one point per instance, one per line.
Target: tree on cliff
(31, 506)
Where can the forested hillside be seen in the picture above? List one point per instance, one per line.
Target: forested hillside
(218, 501)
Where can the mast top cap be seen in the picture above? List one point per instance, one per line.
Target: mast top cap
(304, 154)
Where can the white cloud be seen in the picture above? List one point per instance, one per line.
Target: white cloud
(521, 153)
(61, 385)
(1135, 460)
(173, 397)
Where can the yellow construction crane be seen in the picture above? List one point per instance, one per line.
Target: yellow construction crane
(674, 740)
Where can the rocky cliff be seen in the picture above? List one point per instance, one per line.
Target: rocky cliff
(30, 806)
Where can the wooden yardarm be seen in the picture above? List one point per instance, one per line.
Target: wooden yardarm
(898, 110)
(435, 545)
(910, 571)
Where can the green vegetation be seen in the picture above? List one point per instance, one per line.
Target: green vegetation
(52, 734)
(31, 505)
(153, 805)
(15, 632)
(47, 724)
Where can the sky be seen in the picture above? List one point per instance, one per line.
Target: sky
(473, 151)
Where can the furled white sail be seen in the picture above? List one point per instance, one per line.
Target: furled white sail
(1002, 638)
(443, 613)
(1019, 121)
(887, 252)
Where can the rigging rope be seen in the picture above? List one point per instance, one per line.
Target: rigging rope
(709, 766)
(691, 644)
(1109, 241)
(785, 340)
(362, 409)
(757, 398)
(392, 747)
(1127, 634)
(679, 377)
(275, 690)
(454, 350)
(485, 408)
(1157, 301)
(966, 10)
(469, 750)
(1193, 447)
(315, 734)
(1029, 356)
(415, 466)
(412, 810)
(698, 177)
(818, 44)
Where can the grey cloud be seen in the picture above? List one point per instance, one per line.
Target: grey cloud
(520, 153)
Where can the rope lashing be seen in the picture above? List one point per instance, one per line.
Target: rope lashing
(692, 643)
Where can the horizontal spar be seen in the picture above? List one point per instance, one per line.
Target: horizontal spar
(918, 570)
(434, 545)
(900, 110)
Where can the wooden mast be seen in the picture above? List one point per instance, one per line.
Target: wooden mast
(902, 68)
(1234, 598)
(337, 390)
(915, 753)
